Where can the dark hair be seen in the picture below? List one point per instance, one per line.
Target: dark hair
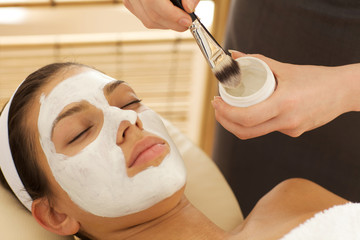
(22, 140)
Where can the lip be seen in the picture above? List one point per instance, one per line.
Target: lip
(146, 150)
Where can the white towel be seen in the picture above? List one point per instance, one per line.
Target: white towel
(339, 222)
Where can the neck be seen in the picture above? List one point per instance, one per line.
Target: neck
(182, 222)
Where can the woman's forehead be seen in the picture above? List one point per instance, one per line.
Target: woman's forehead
(84, 85)
(62, 75)
(91, 80)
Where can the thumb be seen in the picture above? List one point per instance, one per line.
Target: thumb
(273, 64)
(236, 54)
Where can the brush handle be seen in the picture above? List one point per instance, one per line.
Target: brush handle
(194, 17)
(179, 5)
(200, 39)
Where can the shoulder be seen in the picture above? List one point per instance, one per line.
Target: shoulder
(303, 192)
(286, 206)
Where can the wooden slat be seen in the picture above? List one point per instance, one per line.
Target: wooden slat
(160, 71)
(47, 3)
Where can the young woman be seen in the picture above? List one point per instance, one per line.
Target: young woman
(86, 157)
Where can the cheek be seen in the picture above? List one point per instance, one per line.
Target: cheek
(95, 168)
(91, 175)
(58, 196)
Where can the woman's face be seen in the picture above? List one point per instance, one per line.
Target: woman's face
(108, 152)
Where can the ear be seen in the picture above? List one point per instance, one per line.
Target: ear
(52, 220)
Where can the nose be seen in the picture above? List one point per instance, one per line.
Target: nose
(126, 128)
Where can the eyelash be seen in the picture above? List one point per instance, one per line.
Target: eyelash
(87, 129)
(133, 102)
(79, 135)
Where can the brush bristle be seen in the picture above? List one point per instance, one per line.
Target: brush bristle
(228, 72)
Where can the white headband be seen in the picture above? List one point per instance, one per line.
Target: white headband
(7, 165)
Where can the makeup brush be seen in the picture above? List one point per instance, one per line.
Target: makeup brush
(226, 69)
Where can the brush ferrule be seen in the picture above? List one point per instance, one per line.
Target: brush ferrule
(212, 51)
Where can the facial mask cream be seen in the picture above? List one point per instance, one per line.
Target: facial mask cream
(257, 83)
(96, 178)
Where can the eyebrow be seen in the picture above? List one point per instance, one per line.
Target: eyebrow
(110, 87)
(71, 111)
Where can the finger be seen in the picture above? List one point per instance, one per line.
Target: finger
(167, 15)
(136, 8)
(276, 67)
(247, 116)
(190, 5)
(128, 5)
(243, 132)
(137, 11)
(236, 54)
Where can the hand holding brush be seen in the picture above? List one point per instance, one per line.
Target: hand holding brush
(226, 69)
(162, 14)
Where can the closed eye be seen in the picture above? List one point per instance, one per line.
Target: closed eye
(79, 135)
(133, 102)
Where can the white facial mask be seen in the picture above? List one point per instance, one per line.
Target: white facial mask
(96, 178)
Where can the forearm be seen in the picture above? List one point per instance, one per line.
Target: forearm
(351, 84)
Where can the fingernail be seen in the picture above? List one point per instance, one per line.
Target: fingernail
(185, 22)
(215, 102)
(236, 51)
(217, 97)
